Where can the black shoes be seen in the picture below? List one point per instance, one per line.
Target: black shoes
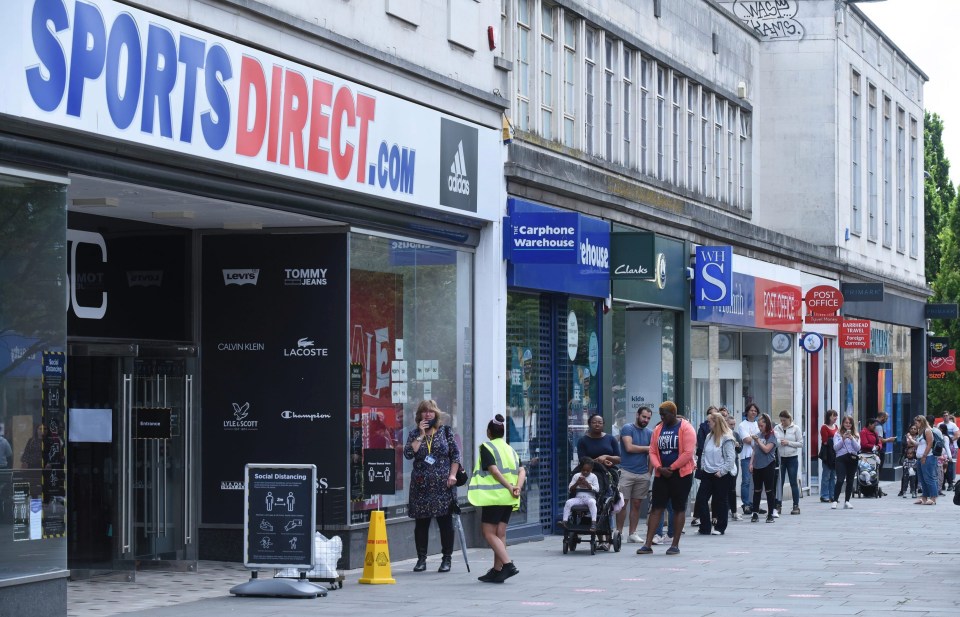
(489, 576)
(421, 564)
(770, 518)
(498, 576)
(755, 518)
(444, 564)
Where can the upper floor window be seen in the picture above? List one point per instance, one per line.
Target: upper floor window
(691, 129)
(901, 180)
(872, 180)
(675, 128)
(590, 91)
(745, 152)
(547, 36)
(855, 146)
(914, 191)
(705, 148)
(611, 51)
(661, 120)
(718, 150)
(569, 81)
(524, 59)
(627, 96)
(645, 111)
(887, 173)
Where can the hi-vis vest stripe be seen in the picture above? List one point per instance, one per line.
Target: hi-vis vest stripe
(484, 489)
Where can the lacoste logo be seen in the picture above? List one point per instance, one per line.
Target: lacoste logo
(304, 342)
(457, 181)
(247, 276)
(240, 411)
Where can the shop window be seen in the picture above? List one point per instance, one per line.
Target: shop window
(411, 337)
(32, 322)
(643, 341)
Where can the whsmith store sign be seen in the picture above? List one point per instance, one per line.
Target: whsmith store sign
(108, 69)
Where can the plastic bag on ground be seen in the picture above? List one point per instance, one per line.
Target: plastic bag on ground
(327, 553)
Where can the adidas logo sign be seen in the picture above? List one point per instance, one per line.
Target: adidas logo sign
(457, 181)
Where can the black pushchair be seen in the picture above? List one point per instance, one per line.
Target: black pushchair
(577, 527)
(867, 479)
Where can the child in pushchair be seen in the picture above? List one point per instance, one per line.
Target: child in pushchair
(580, 518)
(867, 479)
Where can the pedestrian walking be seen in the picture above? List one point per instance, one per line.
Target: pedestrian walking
(846, 445)
(495, 486)
(635, 470)
(763, 467)
(747, 429)
(789, 442)
(719, 460)
(671, 455)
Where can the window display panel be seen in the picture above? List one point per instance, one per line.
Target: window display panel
(410, 340)
(579, 363)
(527, 430)
(32, 338)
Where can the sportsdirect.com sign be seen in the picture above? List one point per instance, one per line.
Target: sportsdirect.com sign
(105, 68)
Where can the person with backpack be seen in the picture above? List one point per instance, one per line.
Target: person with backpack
(828, 457)
(928, 462)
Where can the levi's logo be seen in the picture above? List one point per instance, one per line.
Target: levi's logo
(241, 277)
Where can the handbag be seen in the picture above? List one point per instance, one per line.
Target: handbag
(462, 476)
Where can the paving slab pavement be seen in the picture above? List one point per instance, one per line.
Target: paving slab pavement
(884, 557)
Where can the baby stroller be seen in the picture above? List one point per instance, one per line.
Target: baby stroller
(867, 479)
(577, 527)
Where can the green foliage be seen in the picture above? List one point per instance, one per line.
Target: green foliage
(942, 254)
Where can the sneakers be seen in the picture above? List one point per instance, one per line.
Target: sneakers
(770, 518)
(824, 500)
(776, 513)
(657, 540)
(716, 533)
(695, 522)
(635, 538)
(506, 572)
(847, 505)
(833, 506)
(913, 495)
(746, 509)
(489, 576)
(796, 510)
(755, 518)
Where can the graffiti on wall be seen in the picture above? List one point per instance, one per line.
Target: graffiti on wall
(773, 20)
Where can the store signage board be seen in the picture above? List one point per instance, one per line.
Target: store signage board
(151, 422)
(279, 516)
(543, 237)
(939, 346)
(854, 334)
(946, 364)
(633, 256)
(940, 311)
(379, 471)
(821, 319)
(823, 300)
(862, 292)
(713, 276)
(211, 98)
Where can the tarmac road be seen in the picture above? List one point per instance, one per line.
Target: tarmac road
(884, 557)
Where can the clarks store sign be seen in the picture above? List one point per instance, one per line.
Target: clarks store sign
(104, 68)
(632, 256)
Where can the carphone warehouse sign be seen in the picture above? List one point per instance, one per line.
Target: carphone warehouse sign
(100, 67)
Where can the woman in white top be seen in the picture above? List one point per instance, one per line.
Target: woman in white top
(846, 443)
(789, 441)
(718, 466)
(928, 463)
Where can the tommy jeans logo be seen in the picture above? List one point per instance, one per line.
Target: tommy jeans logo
(457, 181)
(241, 276)
(301, 277)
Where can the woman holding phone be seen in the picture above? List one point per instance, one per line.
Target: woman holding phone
(436, 459)
(846, 443)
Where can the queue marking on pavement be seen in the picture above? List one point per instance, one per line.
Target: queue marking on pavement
(673, 569)
(738, 552)
(638, 580)
(768, 610)
(804, 595)
(886, 563)
(839, 584)
(591, 590)
(865, 572)
(537, 603)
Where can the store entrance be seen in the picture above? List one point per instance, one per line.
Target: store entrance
(131, 498)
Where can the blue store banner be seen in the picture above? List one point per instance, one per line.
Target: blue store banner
(537, 245)
(713, 276)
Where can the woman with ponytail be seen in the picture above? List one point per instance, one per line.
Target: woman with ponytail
(495, 487)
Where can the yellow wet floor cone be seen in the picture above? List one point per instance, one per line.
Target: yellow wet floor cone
(376, 563)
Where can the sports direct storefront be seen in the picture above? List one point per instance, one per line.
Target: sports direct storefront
(263, 263)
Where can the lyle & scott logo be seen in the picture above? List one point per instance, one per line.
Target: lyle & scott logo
(458, 181)
(240, 421)
(244, 276)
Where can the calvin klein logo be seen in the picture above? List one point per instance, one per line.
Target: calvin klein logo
(240, 276)
(458, 181)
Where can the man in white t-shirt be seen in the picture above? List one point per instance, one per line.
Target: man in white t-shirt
(747, 429)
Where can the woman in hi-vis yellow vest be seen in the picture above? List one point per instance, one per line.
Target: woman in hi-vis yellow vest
(495, 487)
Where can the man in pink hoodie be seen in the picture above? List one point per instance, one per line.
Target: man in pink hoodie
(671, 457)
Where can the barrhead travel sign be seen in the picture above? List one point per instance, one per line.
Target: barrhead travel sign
(101, 67)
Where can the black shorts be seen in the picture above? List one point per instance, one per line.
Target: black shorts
(675, 490)
(494, 515)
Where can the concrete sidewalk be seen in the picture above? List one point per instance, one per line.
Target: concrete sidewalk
(884, 557)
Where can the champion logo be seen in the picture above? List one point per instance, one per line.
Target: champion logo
(457, 181)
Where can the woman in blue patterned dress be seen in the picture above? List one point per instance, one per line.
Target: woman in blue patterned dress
(436, 459)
